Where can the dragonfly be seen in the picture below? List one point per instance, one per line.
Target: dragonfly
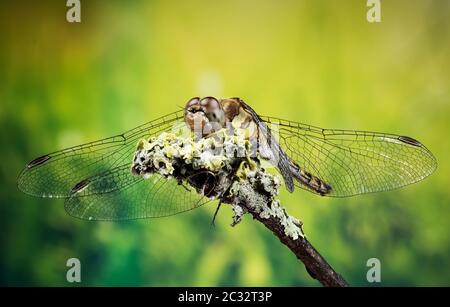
(97, 182)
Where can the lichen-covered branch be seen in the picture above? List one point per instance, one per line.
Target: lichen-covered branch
(222, 167)
(255, 196)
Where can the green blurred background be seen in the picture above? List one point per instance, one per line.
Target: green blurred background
(318, 62)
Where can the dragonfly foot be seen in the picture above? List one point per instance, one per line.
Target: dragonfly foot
(215, 214)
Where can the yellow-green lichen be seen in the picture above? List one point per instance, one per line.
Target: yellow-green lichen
(238, 177)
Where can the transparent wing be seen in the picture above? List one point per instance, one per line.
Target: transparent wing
(117, 194)
(55, 174)
(354, 162)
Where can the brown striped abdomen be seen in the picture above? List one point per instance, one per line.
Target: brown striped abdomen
(310, 181)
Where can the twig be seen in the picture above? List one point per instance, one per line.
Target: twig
(317, 267)
(283, 226)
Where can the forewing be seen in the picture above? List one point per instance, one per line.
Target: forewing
(354, 162)
(55, 174)
(119, 195)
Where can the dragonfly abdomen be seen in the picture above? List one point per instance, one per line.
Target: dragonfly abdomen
(310, 181)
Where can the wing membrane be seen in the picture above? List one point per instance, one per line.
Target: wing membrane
(55, 174)
(119, 195)
(354, 162)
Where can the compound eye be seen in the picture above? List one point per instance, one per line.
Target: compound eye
(192, 102)
(210, 103)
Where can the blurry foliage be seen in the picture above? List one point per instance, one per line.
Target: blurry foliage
(318, 62)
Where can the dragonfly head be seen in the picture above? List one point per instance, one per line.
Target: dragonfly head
(204, 115)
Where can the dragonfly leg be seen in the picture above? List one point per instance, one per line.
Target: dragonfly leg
(215, 213)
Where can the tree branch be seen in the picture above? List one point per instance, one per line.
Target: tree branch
(317, 267)
(256, 201)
